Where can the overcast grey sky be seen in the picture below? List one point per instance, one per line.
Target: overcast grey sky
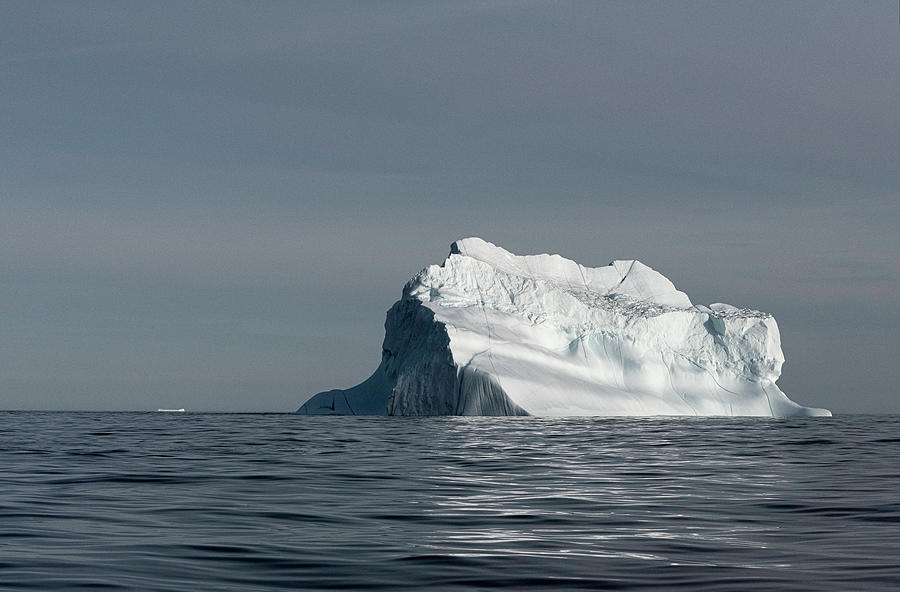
(212, 205)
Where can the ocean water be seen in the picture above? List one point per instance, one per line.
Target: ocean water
(153, 501)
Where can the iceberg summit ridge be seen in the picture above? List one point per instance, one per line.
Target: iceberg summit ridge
(488, 332)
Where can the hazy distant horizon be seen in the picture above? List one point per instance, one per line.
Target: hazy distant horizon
(212, 205)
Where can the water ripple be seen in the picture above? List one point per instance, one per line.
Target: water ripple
(177, 502)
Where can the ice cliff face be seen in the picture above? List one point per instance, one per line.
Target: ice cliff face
(492, 333)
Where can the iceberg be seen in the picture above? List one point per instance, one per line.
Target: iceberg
(492, 333)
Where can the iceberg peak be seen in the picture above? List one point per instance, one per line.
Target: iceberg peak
(489, 332)
(622, 278)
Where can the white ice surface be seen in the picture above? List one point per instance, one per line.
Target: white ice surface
(492, 333)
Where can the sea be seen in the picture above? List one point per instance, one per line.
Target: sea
(197, 501)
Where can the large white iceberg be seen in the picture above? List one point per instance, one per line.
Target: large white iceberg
(492, 333)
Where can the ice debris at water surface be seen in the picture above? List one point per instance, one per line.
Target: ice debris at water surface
(492, 333)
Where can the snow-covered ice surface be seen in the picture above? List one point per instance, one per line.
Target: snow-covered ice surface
(492, 333)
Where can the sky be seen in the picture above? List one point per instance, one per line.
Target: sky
(212, 205)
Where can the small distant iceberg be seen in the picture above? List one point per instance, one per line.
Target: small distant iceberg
(170, 410)
(492, 333)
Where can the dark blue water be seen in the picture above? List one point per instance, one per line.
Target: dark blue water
(151, 501)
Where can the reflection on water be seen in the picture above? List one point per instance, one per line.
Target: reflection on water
(237, 502)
